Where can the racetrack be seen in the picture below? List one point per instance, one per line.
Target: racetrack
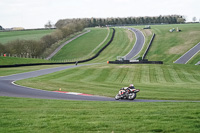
(140, 40)
(8, 88)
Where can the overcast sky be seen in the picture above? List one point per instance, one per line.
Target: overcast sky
(36, 13)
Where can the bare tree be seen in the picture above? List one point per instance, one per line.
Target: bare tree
(194, 19)
(48, 25)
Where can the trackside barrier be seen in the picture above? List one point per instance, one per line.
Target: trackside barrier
(136, 62)
(81, 61)
(148, 46)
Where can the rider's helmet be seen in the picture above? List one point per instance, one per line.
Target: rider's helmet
(131, 85)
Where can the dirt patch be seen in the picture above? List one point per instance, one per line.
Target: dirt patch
(130, 35)
(180, 49)
(125, 66)
(147, 32)
(194, 33)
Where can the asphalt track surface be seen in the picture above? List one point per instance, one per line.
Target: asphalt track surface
(140, 40)
(188, 55)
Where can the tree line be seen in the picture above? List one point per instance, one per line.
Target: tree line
(91, 22)
(35, 48)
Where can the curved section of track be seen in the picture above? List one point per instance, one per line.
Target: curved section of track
(140, 40)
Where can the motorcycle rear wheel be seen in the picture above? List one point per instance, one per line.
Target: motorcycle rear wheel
(132, 97)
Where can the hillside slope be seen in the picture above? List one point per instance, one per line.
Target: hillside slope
(168, 47)
(82, 47)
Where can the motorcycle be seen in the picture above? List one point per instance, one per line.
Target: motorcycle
(125, 93)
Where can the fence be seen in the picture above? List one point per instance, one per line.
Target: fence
(145, 53)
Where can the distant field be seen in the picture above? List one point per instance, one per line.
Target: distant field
(15, 60)
(28, 35)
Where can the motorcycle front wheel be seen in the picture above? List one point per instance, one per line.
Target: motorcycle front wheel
(132, 97)
(117, 97)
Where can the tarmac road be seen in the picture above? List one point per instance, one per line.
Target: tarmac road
(8, 88)
(140, 40)
(188, 55)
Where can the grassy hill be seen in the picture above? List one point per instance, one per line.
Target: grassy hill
(29, 35)
(123, 42)
(168, 47)
(84, 46)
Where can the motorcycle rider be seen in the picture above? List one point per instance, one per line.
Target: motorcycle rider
(131, 86)
(126, 90)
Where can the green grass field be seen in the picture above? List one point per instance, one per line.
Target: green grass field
(82, 47)
(16, 60)
(28, 35)
(168, 81)
(22, 115)
(123, 42)
(168, 47)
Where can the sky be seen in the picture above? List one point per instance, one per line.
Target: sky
(36, 13)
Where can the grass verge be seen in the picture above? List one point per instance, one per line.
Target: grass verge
(37, 115)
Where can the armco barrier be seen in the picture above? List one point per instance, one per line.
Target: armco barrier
(81, 61)
(139, 62)
(143, 57)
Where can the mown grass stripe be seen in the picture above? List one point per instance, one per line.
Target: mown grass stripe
(125, 76)
(188, 76)
(160, 74)
(152, 72)
(121, 75)
(138, 75)
(174, 75)
(114, 75)
(145, 74)
(166, 73)
(195, 74)
(130, 75)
